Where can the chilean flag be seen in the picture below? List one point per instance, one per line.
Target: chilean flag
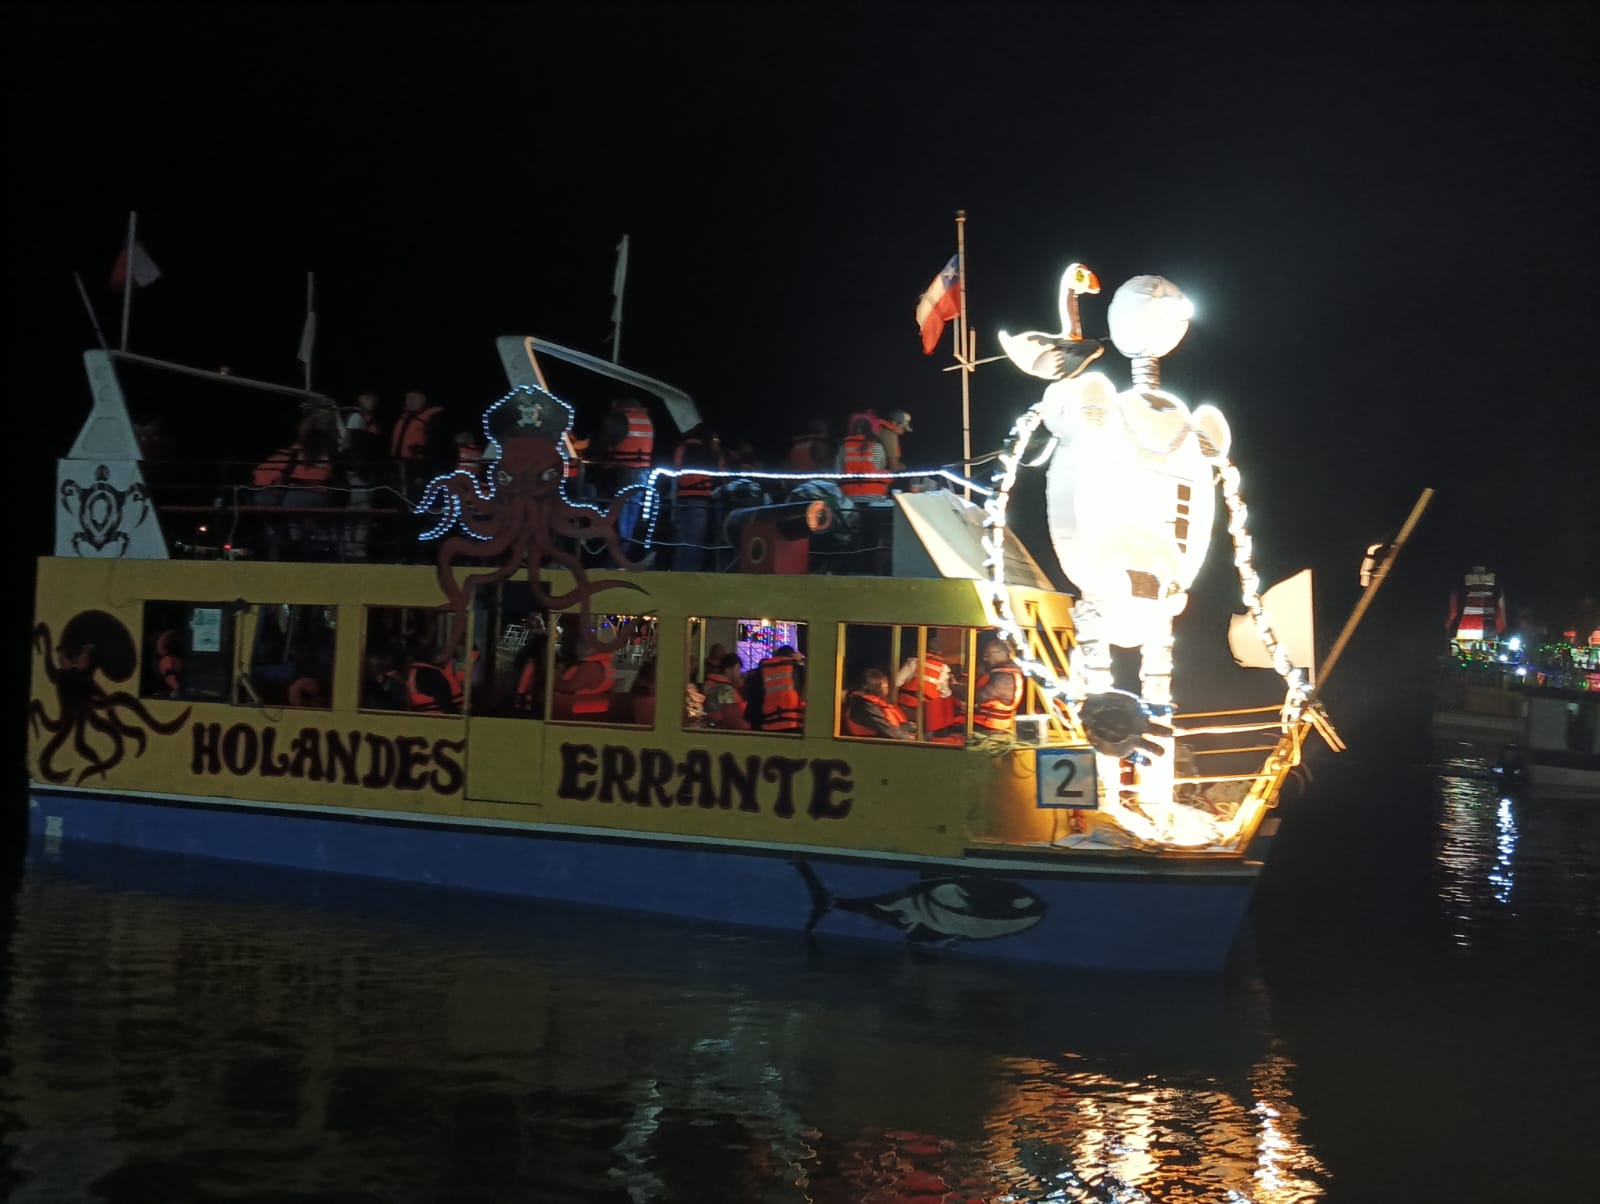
(939, 304)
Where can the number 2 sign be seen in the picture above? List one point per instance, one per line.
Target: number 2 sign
(1066, 778)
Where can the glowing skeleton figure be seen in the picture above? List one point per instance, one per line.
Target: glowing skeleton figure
(1131, 502)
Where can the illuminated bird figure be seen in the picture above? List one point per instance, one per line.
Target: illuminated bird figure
(1058, 356)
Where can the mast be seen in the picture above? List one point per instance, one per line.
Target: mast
(619, 281)
(127, 277)
(965, 349)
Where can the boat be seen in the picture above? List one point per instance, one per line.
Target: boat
(1557, 754)
(511, 698)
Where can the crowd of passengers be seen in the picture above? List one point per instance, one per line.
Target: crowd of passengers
(769, 698)
(363, 460)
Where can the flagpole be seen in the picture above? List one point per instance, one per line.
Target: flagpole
(619, 280)
(94, 318)
(127, 277)
(311, 309)
(964, 350)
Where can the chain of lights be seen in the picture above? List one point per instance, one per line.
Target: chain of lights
(439, 492)
(995, 506)
(1294, 680)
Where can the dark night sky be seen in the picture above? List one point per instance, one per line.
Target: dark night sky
(1384, 213)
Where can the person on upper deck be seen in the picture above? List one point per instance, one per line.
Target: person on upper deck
(361, 436)
(862, 453)
(626, 450)
(414, 443)
(813, 451)
(888, 433)
(691, 500)
(998, 693)
(869, 713)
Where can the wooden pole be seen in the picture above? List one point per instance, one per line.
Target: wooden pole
(1380, 573)
(964, 351)
(127, 277)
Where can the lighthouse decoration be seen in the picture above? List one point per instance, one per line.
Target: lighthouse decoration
(1131, 501)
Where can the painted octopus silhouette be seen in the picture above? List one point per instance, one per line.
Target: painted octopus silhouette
(92, 642)
(521, 517)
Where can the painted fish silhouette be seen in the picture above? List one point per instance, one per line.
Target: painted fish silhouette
(931, 910)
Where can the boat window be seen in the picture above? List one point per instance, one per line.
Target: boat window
(291, 657)
(410, 661)
(511, 676)
(903, 682)
(745, 675)
(187, 651)
(605, 670)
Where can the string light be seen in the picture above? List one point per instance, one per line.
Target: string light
(439, 493)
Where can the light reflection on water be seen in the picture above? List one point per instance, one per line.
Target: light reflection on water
(394, 1046)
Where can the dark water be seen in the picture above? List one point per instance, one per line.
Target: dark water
(1413, 1017)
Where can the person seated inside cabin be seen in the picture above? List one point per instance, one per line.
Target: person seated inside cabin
(724, 702)
(933, 690)
(869, 714)
(583, 685)
(169, 669)
(432, 683)
(997, 694)
(382, 687)
(644, 695)
(775, 692)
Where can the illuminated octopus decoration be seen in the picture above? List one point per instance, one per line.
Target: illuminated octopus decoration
(521, 517)
(92, 642)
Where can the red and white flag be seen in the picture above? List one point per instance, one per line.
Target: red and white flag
(144, 268)
(939, 304)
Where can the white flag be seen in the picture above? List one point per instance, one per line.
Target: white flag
(1288, 610)
(618, 279)
(144, 268)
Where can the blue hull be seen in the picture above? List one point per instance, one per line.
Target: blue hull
(1179, 922)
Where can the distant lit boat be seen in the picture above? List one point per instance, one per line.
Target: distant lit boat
(486, 722)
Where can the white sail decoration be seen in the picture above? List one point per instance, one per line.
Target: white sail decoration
(1288, 609)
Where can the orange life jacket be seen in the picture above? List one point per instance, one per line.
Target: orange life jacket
(941, 706)
(423, 701)
(594, 699)
(692, 486)
(858, 458)
(731, 713)
(410, 438)
(782, 708)
(274, 470)
(892, 715)
(638, 445)
(991, 713)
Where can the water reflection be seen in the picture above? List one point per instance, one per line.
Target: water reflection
(1511, 860)
(271, 1038)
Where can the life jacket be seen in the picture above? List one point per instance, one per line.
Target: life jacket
(525, 683)
(592, 699)
(805, 454)
(858, 458)
(892, 715)
(782, 708)
(421, 700)
(934, 687)
(275, 469)
(638, 445)
(692, 486)
(309, 474)
(991, 713)
(730, 712)
(410, 438)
